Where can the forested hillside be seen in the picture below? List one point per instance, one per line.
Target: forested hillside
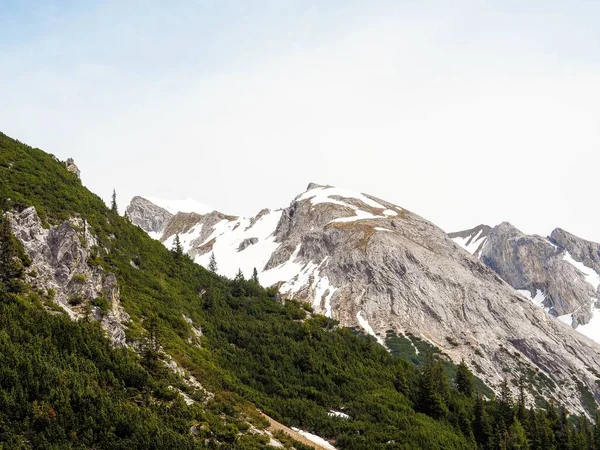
(62, 384)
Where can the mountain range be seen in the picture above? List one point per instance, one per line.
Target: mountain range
(377, 267)
(342, 321)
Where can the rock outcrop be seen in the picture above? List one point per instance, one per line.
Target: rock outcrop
(559, 273)
(61, 267)
(378, 267)
(147, 215)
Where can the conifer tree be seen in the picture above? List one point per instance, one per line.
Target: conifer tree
(212, 263)
(464, 379)
(177, 248)
(482, 426)
(596, 432)
(433, 389)
(113, 203)
(516, 437)
(504, 404)
(11, 268)
(255, 276)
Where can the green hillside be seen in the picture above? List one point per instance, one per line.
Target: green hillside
(62, 385)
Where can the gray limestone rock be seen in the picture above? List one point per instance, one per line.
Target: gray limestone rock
(147, 215)
(375, 266)
(60, 258)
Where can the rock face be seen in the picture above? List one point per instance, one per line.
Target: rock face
(376, 266)
(72, 167)
(560, 273)
(60, 263)
(147, 215)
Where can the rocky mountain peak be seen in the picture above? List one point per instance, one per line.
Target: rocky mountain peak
(377, 267)
(560, 273)
(148, 216)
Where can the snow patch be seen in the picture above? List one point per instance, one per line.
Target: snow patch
(592, 328)
(228, 234)
(591, 276)
(383, 229)
(324, 194)
(314, 438)
(539, 298)
(364, 323)
(338, 414)
(323, 288)
(471, 243)
(566, 318)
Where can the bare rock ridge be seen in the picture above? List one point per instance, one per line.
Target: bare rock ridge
(61, 262)
(376, 266)
(560, 273)
(147, 215)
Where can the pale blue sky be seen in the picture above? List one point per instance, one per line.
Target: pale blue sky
(464, 112)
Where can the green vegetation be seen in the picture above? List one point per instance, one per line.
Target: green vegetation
(63, 386)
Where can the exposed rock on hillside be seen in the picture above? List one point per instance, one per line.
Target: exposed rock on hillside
(60, 265)
(376, 266)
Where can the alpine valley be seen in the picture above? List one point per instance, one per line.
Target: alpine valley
(342, 321)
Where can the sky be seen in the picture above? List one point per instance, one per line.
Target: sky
(464, 112)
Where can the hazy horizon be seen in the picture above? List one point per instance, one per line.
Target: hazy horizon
(476, 112)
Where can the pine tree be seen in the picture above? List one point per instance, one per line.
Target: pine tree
(113, 203)
(212, 263)
(433, 389)
(504, 404)
(516, 437)
(482, 426)
(464, 380)
(152, 344)
(596, 432)
(239, 276)
(177, 248)
(255, 276)
(11, 268)
(562, 432)
(521, 406)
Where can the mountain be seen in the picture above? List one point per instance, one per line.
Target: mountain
(559, 273)
(380, 268)
(109, 340)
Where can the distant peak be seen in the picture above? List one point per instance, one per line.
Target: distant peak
(316, 186)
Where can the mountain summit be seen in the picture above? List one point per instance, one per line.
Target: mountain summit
(376, 266)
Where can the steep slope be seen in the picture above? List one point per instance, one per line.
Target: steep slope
(559, 273)
(376, 266)
(200, 353)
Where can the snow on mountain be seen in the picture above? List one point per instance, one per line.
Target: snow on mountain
(377, 267)
(472, 240)
(564, 286)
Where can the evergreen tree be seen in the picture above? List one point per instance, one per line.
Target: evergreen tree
(433, 389)
(212, 263)
(113, 203)
(596, 432)
(255, 276)
(504, 404)
(11, 268)
(464, 379)
(562, 432)
(517, 438)
(482, 426)
(521, 404)
(152, 344)
(239, 284)
(177, 248)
